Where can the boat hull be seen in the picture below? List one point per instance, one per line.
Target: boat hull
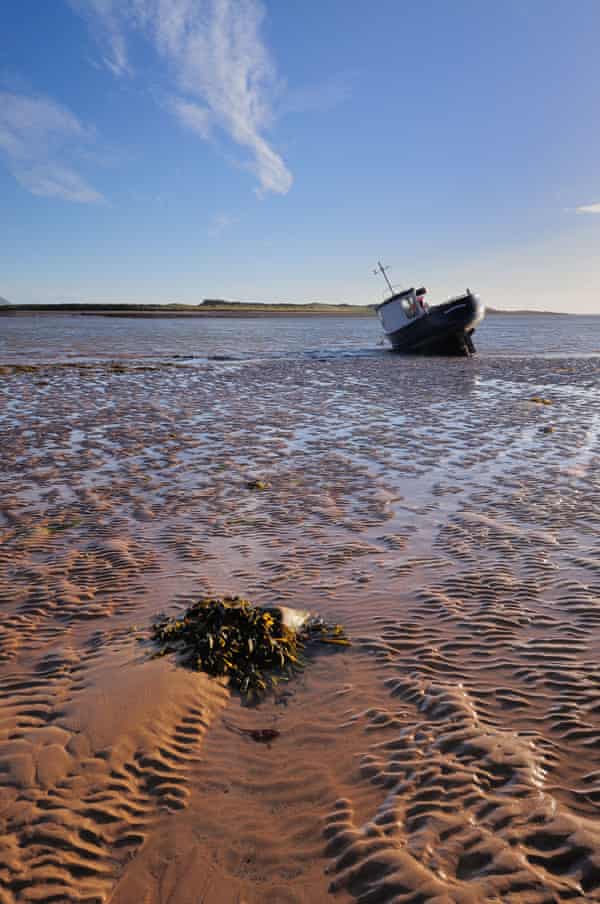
(445, 330)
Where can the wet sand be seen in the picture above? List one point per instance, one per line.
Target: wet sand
(452, 754)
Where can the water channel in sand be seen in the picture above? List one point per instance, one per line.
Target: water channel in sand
(449, 521)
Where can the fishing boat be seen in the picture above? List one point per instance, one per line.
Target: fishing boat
(412, 326)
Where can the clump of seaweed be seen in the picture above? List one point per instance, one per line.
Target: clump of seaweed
(55, 526)
(250, 645)
(257, 485)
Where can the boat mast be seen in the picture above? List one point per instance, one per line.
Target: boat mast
(381, 269)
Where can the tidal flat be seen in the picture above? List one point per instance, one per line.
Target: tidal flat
(446, 512)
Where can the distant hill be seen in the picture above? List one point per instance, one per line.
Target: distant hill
(4, 300)
(525, 311)
(222, 304)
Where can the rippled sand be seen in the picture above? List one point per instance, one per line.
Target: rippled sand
(449, 521)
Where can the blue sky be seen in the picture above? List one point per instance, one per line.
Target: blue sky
(171, 150)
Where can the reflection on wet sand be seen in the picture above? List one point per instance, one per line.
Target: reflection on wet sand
(451, 755)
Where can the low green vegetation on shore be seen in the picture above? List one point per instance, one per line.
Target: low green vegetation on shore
(206, 308)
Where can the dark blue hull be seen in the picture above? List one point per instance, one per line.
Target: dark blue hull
(445, 330)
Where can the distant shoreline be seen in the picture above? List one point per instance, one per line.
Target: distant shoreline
(226, 310)
(241, 310)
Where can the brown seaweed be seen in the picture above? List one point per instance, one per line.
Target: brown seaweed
(249, 645)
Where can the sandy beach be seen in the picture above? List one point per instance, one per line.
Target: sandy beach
(447, 513)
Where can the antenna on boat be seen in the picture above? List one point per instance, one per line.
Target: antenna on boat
(381, 269)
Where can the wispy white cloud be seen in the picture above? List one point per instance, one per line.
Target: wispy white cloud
(51, 180)
(588, 208)
(36, 132)
(223, 72)
(103, 15)
(192, 116)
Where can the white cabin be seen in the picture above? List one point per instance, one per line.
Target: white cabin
(401, 309)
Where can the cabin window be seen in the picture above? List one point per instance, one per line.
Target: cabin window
(409, 306)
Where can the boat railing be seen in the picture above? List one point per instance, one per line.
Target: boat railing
(457, 297)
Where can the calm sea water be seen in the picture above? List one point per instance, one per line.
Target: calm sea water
(71, 337)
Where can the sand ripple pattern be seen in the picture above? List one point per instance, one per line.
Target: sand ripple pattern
(449, 519)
